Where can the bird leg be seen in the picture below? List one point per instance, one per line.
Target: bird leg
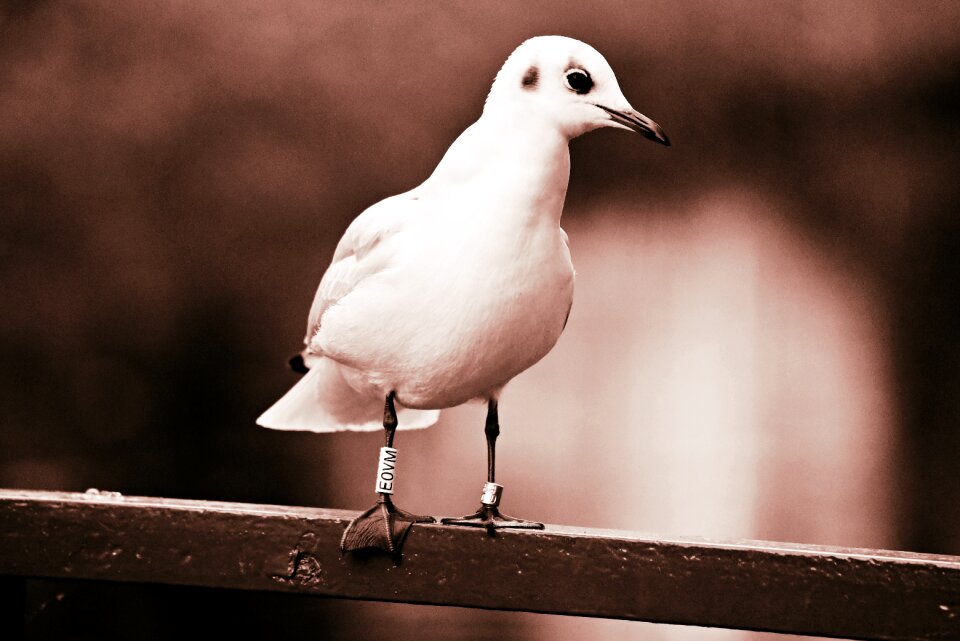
(489, 515)
(384, 526)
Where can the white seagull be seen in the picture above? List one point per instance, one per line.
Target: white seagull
(442, 294)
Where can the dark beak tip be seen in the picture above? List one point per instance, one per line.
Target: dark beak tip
(657, 136)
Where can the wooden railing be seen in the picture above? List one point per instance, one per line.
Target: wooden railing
(751, 585)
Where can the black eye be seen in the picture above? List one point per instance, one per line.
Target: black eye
(579, 80)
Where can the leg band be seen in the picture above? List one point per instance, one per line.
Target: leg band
(491, 494)
(387, 470)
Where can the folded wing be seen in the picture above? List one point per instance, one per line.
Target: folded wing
(322, 401)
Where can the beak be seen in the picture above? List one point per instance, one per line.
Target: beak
(636, 121)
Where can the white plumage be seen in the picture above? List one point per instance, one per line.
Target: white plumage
(446, 292)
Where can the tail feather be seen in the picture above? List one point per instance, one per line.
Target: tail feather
(322, 401)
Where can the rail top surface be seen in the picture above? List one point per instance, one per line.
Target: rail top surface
(754, 585)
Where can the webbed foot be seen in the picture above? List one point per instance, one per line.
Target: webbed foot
(384, 526)
(489, 517)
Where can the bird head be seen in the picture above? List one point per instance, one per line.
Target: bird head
(568, 83)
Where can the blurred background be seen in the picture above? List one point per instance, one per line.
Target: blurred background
(765, 339)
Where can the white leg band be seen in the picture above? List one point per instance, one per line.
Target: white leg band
(387, 470)
(491, 494)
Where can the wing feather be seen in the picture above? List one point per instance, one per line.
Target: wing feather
(362, 252)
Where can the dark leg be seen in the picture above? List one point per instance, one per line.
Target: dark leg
(489, 515)
(384, 526)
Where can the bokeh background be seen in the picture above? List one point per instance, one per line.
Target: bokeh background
(765, 341)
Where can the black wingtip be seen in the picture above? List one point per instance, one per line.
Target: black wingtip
(297, 364)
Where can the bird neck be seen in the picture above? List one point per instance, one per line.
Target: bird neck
(518, 166)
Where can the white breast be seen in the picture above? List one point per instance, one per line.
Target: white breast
(453, 321)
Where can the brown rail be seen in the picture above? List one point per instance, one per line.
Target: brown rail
(838, 592)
